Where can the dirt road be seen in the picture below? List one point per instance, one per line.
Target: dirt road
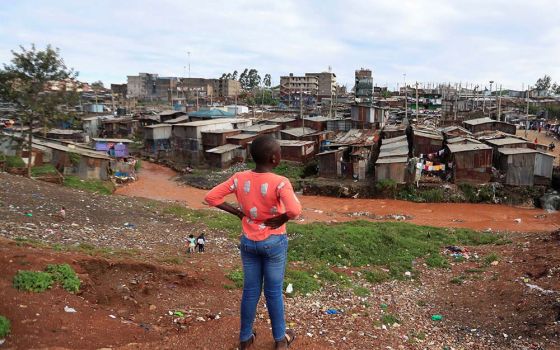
(156, 182)
(543, 139)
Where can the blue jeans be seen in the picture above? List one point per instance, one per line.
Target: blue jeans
(263, 261)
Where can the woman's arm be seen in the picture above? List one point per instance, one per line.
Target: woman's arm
(216, 197)
(231, 209)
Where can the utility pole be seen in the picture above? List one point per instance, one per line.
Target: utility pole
(527, 113)
(301, 110)
(405, 98)
(500, 104)
(416, 101)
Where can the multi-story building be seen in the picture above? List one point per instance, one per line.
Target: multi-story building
(142, 85)
(226, 87)
(291, 87)
(363, 87)
(326, 84)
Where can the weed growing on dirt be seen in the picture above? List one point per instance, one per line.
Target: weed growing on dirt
(66, 276)
(457, 280)
(23, 242)
(389, 319)
(14, 162)
(376, 276)
(4, 327)
(360, 291)
(302, 281)
(33, 281)
(436, 260)
(47, 169)
(96, 186)
(236, 276)
(176, 260)
(490, 258)
(391, 244)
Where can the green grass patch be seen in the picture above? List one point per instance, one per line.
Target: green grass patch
(393, 245)
(33, 281)
(360, 291)
(96, 186)
(47, 169)
(5, 326)
(213, 219)
(475, 270)
(14, 162)
(175, 260)
(66, 276)
(389, 319)
(458, 279)
(376, 276)
(236, 276)
(436, 260)
(302, 281)
(490, 258)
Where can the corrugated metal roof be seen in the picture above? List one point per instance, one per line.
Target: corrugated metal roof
(506, 141)
(457, 148)
(318, 118)
(294, 143)
(394, 139)
(211, 113)
(220, 131)
(462, 139)
(77, 150)
(241, 136)
(223, 148)
(260, 127)
(394, 145)
(177, 120)
(355, 137)
(281, 120)
(392, 160)
(455, 127)
(479, 121)
(171, 112)
(397, 152)
(211, 122)
(299, 131)
(155, 126)
(510, 151)
(428, 134)
(97, 139)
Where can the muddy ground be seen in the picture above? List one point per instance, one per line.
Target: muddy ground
(133, 276)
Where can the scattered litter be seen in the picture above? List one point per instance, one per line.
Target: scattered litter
(437, 317)
(518, 220)
(69, 309)
(318, 211)
(457, 252)
(2, 341)
(540, 289)
(178, 313)
(332, 312)
(129, 225)
(384, 306)
(494, 263)
(408, 274)
(29, 214)
(289, 288)
(112, 316)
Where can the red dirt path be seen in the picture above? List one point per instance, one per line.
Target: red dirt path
(156, 182)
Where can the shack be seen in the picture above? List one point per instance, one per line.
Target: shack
(86, 164)
(209, 114)
(224, 156)
(470, 162)
(264, 129)
(214, 138)
(518, 165)
(391, 168)
(426, 142)
(297, 133)
(544, 166)
(66, 134)
(242, 139)
(453, 131)
(157, 138)
(391, 131)
(330, 163)
(284, 122)
(119, 127)
(368, 116)
(344, 124)
(170, 115)
(296, 151)
(318, 123)
(481, 125)
(181, 119)
(90, 126)
(114, 147)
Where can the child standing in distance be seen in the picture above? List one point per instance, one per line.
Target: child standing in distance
(267, 201)
(200, 242)
(191, 244)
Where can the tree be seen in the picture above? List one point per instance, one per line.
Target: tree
(244, 79)
(543, 84)
(555, 88)
(234, 75)
(254, 79)
(39, 84)
(267, 81)
(97, 85)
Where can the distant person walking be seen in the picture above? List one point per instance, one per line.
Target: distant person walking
(267, 202)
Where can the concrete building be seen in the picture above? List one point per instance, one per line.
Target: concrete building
(326, 84)
(363, 86)
(226, 88)
(142, 85)
(293, 87)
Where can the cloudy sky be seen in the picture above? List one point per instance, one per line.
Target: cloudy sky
(469, 41)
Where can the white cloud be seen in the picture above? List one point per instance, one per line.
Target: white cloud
(509, 41)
